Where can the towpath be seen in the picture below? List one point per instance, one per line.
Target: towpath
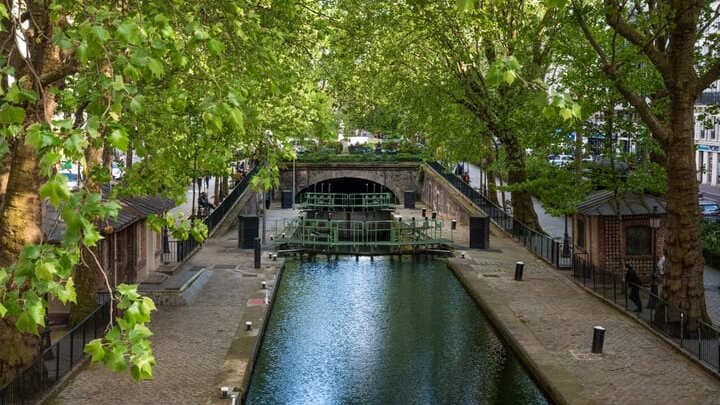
(190, 341)
(552, 319)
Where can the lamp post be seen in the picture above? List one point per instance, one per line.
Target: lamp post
(269, 139)
(654, 225)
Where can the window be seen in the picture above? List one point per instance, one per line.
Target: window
(581, 233)
(638, 240)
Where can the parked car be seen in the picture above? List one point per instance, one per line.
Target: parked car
(562, 160)
(709, 209)
(72, 180)
(117, 171)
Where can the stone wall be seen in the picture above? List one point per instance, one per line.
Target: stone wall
(439, 195)
(398, 177)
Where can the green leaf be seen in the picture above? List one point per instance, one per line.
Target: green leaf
(139, 331)
(156, 68)
(136, 104)
(74, 145)
(100, 33)
(566, 113)
(46, 271)
(36, 311)
(115, 359)
(95, 349)
(216, 47)
(130, 32)
(56, 190)
(13, 94)
(148, 305)
(10, 114)
(25, 324)
(67, 294)
(3, 310)
(119, 139)
(128, 291)
(509, 76)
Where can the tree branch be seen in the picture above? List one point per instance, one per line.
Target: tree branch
(706, 79)
(642, 107)
(612, 15)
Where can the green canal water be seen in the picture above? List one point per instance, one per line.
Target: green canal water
(382, 332)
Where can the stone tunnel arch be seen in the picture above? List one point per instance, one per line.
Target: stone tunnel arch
(346, 185)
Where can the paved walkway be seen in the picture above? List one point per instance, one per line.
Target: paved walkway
(553, 319)
(553, 226)
(190, 341)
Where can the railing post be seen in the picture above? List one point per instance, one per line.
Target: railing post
(57, 362)
(626, 301)
(72, 347)
(699, 329)
(682, 328)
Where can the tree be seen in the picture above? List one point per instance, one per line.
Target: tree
(662, 89)
(83, 80)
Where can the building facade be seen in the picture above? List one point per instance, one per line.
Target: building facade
(707, 135)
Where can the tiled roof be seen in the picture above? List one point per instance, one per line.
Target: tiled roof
(604, 203)
(132, 209)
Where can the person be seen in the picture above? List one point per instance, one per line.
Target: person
(207, 182)
(632, 282)
(204, 202)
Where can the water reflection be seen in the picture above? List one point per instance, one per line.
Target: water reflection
(384, 332)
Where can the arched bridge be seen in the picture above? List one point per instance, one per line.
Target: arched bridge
(358, 177)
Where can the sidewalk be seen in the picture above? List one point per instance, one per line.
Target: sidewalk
(552, 319)
(190, 342)
(553, 226)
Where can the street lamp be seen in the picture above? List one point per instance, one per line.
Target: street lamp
(654, 225)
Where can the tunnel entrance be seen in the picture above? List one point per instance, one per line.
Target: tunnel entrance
(345, 185)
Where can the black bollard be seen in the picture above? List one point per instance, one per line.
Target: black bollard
(519, 271)
(257, 253)
(424, 212)
(598, 339)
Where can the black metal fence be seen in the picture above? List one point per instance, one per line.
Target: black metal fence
(539, 243)
(699, 338)
(175, 251)
(56, 361)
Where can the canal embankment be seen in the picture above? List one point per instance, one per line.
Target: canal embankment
(549, 321)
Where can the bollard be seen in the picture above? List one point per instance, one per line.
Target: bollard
(433, 215)
(263, 285)
(257, 253)
(519, 271)
(453, 224)
(598, 339)
(248, 325)
(424, 212)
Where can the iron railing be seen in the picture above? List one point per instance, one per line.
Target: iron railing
(175, 251)
(57, 360)
(699, 338)
(539, 243)
(365, 201)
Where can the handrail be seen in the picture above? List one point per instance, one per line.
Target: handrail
(539, 243)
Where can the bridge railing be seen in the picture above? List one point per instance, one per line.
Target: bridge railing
(348, 200)
(320, 233)
(541, 244)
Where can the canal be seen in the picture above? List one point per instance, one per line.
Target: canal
(382, 332)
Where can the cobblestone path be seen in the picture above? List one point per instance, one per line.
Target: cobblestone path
(190, 341)
(555, 318)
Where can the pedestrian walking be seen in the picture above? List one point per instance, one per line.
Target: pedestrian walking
(632, 283)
